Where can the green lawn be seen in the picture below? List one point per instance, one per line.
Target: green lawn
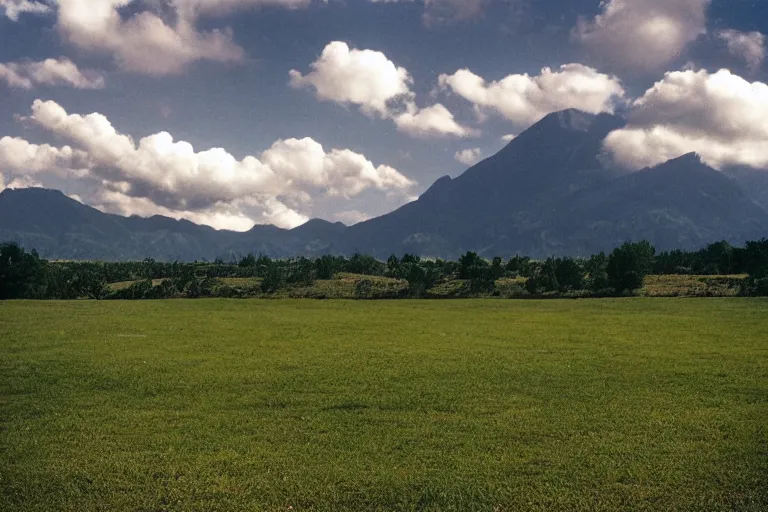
(637, 404)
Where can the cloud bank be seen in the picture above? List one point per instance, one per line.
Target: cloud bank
(161, 175)
(720, 116)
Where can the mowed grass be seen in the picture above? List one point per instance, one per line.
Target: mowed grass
(215, 405)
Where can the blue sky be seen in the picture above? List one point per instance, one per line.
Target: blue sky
(347, 109)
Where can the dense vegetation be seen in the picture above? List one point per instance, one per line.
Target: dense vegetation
(213, 405)
(25, 275)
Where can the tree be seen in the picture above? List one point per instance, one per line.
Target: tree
(366, 265)
(273, 280)
(301, 271)
(596, 268)
(20, 272)
(393, 266)
(420, 278)
(518, 266)
(497, 268)
(477, 271)
(629, 264)
(756, 258)
(569, 274)
(247, 261)
(327, 266)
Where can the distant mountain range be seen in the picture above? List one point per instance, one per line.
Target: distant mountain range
(546, 193)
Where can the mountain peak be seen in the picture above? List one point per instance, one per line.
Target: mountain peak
(579, 121)
(316, 225)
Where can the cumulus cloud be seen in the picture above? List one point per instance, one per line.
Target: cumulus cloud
(17, 156)
(643, 34)
(748, 46)
(365, 78)
(150, 43)
(435, 120)
(524, 99)
(469, 156)
(143, 43)
(506, 139)
(62, 71)
(13, 8)
(371, 81)
(720, 116)
(161, 175)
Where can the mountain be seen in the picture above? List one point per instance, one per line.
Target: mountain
(753, 182)
(62, 228)
(548, 192)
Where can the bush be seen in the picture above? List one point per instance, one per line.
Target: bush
(364, 289)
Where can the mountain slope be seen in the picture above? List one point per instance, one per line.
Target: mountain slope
(546, 193)
(679, 204)
(497, 206)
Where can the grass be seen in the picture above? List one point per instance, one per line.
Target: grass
(637, 404)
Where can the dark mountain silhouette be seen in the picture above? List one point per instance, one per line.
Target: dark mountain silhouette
(549, 192)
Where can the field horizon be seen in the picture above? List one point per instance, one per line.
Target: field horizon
(215, 404)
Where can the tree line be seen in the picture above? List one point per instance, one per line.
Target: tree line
(25, 275)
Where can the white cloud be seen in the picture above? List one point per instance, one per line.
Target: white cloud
(433, 121)
(60, 71)
(13, 8)
(219, 215)
(749, 46)
(375, 84)
(506, 139)
(524, 99)
(162, 175)
(365, 78)
(644, 34)
(18, 157)
(469, 156)
(720, 116)
(146, 42)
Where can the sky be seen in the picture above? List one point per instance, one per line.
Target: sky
(232, 113)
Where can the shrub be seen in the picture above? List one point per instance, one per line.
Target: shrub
(364, 289)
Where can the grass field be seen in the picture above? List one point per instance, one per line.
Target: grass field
(215, 405)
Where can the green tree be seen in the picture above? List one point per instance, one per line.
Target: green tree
(21, 272)
(596, 269)
(247, 261)
(629, 264)
(756, 258)
(569, 274)
(274, 279)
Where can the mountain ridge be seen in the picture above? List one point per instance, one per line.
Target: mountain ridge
(547, 192)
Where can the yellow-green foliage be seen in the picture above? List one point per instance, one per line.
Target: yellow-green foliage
(127, 284)
(692, 286)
